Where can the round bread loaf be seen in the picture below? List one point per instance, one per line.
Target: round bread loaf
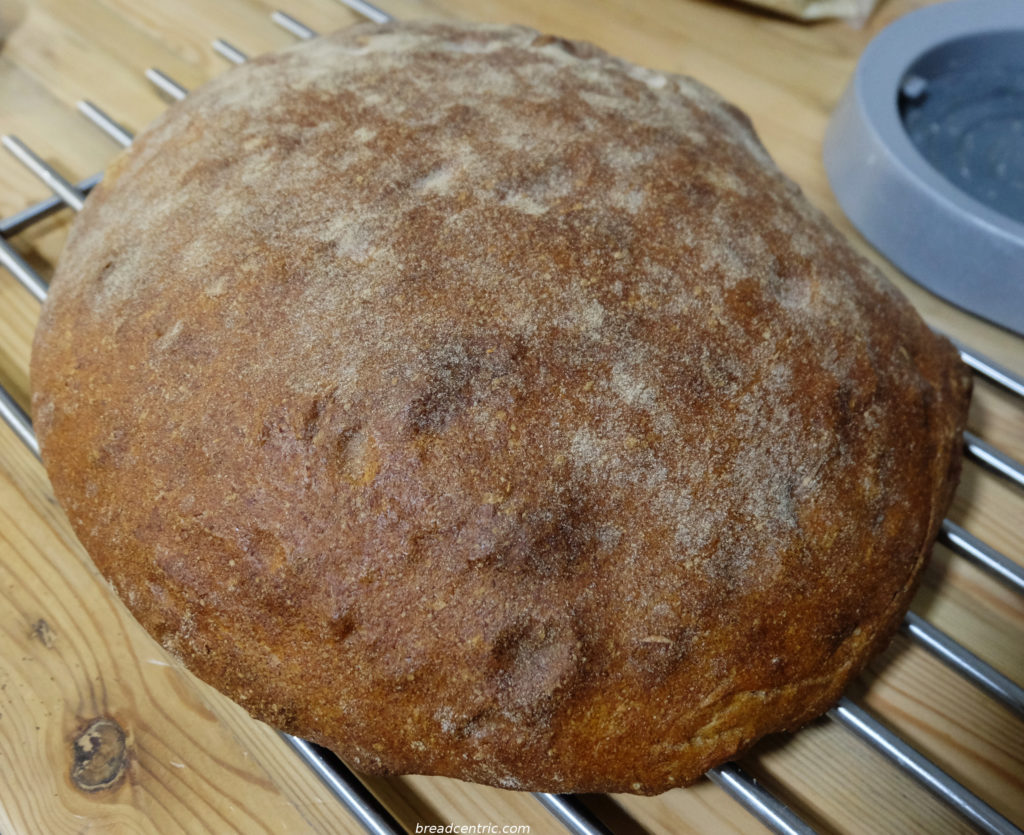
(474, 403)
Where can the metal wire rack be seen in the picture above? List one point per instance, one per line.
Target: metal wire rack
(576, 817)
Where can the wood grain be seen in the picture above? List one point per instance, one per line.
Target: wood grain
(196, 762)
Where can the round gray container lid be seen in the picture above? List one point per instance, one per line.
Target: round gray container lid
(925, 152)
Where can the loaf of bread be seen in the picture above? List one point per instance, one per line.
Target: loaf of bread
(474, 403)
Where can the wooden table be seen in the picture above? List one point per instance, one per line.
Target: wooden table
(70, 653)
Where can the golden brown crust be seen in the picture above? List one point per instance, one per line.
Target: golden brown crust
(477, 404)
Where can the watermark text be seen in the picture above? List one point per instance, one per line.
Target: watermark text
(473, 829)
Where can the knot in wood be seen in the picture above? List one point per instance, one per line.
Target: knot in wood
(100, 756)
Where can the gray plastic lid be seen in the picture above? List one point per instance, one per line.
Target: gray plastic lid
(925, 152)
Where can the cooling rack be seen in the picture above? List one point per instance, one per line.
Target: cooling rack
(584, 815)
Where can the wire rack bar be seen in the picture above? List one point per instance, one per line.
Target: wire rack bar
(983, 453)
(344, 785)
(290, 24)
(368, 10)
(20, 221)
(45, 172)
(15, 417)
(968, 546)
(923, 770)
(966, 663)
(757, 800)
(121, 135)
(9, 257)
(229, 52)
(166, 85)
(19, 268)
(573, 815)
(988, 368)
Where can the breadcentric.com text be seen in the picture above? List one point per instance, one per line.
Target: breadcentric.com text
(474, 829)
